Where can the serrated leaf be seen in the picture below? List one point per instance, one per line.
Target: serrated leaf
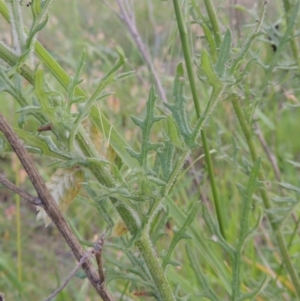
(45, 146)
(178, 108)
(146, 126)
(29, 108)
(165, 156)
(218, 87)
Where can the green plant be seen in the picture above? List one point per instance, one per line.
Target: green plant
(139, 183)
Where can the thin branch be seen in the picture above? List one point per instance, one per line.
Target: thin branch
(96, 250)
(98, 255)
(51, 207)
(128, 18)
(33, 200)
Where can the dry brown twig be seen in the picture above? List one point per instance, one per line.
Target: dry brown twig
(98, 255)
(97, 251)
(52, 209)
(33, 200)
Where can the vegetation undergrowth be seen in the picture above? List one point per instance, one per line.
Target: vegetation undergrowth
(195, 199)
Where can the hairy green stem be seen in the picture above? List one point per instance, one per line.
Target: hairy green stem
(189, 67)
(145, 247)
(17, 27)
(266, 201)
(144, 242)
(104, 177)
(11, 58)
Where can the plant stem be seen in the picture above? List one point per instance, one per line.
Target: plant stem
(214, 21)
(143, 243)
(189, 67)
(11, 58)
(266, 201)
(17, 27)
(145, 247)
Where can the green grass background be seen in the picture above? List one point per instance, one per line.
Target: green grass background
(74, 25)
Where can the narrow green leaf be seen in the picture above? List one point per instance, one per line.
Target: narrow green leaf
(36, 8)
(206, 289)
(181, 234)
(224, 54)
(208, 69)
(294, 163)
(211, 41)
(290, 187)
(256, 291)
(202, 246)
(10, 273)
